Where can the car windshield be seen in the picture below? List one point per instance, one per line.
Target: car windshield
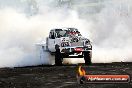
(67, 33)
(61, 33)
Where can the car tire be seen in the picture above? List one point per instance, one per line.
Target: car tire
(58, 58)
(87, 57)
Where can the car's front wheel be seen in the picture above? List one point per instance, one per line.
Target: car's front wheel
(87, 57)
(58, 58)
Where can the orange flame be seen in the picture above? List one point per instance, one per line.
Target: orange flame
(81, 71)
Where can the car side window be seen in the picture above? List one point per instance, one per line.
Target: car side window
(52, 35)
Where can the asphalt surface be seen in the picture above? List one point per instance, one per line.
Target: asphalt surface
(60, 76)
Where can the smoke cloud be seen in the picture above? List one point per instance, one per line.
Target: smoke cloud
(112, 33)
(24, 23)
(21, 30)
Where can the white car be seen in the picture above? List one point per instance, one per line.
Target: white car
(70, 43)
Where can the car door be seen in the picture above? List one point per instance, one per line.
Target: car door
(51, 41)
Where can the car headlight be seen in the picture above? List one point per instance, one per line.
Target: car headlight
(89, 46)
(87, 43)
(63, 44)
